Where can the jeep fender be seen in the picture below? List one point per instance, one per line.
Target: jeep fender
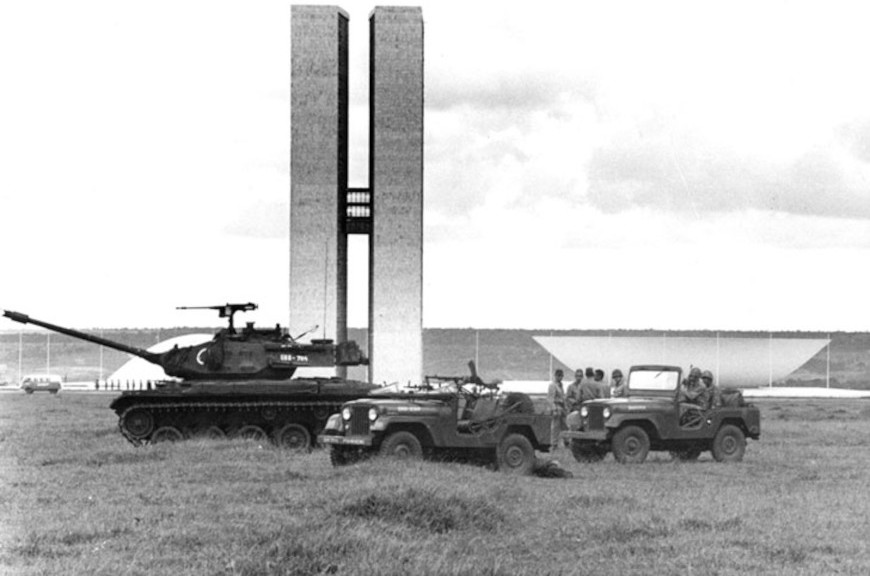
(529, 433)
(418, 429)
(618, 421)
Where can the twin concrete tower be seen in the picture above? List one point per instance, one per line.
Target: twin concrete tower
(324, 210)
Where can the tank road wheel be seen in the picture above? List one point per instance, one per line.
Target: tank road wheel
(516, 455)
(729, 444)
(214, 433)
(293, 437)
(167, 434)
(630, 445)
(402, 445)
(587, 454)
(137, 423)
(250, 432)
(686, 454)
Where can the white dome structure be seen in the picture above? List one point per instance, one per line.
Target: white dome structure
(739, 362)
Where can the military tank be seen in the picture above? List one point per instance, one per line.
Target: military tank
(238, 384)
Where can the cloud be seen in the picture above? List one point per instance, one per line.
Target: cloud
(692, 175)
(265, 219)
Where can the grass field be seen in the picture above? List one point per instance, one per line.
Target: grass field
(77, 499)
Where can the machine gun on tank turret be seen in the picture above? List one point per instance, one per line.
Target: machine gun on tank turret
(224, 311)
(252, 353)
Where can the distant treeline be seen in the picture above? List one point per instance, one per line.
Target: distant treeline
(500, 354)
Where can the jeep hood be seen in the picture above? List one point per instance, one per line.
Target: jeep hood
(632, 403)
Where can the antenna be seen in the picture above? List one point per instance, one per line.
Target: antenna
(325, 282)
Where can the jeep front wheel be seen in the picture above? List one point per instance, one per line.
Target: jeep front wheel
(630, 445)
(516, 455)
(729, 444)
(402, 445)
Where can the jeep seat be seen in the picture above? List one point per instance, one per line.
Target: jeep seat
(484, 409)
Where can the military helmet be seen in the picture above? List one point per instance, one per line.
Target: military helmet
(695, 372)
(706, 374)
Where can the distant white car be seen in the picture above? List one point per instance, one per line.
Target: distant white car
(49, 382)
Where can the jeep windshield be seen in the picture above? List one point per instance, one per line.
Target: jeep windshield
(653, 380)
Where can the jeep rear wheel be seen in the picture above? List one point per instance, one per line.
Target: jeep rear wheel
(729, 445)
(587, 454)
(516, 455)
(630, 445)
(402, 445)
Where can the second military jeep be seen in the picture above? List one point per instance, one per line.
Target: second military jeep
(453, 417)
(651, 417)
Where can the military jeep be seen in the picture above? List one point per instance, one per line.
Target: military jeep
(446, 417)
(651, 417)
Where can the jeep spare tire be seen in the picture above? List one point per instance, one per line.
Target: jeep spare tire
(630, 445)
(402, 445)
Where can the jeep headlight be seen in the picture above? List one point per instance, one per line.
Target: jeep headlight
(606, 413)
(584, 411)
(345, 413)
(373, 414)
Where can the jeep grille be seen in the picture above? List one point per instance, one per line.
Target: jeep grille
(359, 421)
(595, 420)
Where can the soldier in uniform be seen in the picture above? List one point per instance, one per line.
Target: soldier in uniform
(620, 386)
(714, 396)
(604, 389)
(572, 395)
(590, 389)
(693, 398)
(556, 402)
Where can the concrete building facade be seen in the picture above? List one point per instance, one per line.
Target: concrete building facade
(318, 170)
(323, 210)
(396, 180)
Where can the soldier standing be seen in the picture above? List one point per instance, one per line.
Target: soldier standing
(589, 390)
(572, 395)
(603, 388)
(620, 386)
(556, 402)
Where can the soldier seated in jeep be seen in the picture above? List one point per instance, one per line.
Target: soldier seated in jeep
(648, 418)
(694, 400)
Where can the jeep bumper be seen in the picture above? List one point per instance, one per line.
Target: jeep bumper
(588, 435)
(337, 440)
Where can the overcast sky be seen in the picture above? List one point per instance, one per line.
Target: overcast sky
(602, 165)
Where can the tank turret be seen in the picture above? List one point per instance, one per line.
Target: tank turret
(232, 355)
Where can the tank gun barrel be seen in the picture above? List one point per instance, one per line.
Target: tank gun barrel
(25, 319)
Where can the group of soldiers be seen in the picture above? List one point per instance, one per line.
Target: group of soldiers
(698, 394)
(586, 386)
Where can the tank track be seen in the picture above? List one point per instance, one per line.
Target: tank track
(266, 411)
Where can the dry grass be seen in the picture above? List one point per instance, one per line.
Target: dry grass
(77, 499)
